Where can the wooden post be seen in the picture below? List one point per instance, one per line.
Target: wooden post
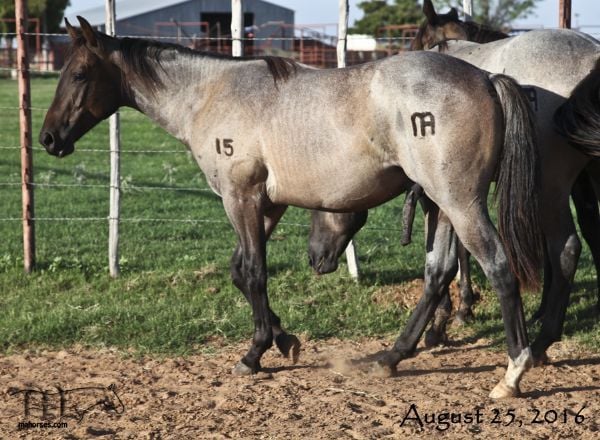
(468, 9)
(25, 136)
(351, 256)
(564, 14)
(115, 167)
(237, 28)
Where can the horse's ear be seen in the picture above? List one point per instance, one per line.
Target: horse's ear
(453, 14)
(89, 34)
(429, 12)
(71, 30)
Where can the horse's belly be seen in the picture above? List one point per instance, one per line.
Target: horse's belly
(348, 190)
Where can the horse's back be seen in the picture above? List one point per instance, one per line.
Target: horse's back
(412, 113)
(552, 59)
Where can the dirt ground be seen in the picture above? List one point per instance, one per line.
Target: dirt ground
(441, 392)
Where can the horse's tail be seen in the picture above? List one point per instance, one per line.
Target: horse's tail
(518, 184)
(578, 119)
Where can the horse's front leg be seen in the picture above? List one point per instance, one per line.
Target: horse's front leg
(287, 344)
(245, 209)
(440, 268)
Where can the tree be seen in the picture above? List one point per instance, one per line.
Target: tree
(494, 13)
(50, 13)
(379, 13)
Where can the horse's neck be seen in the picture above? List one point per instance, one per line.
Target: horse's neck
(181, 81)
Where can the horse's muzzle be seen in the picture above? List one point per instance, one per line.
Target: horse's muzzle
(53, 146)
(323, 264)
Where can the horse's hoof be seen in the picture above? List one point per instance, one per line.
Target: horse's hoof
(287, 344)
(541, 359)
(433, 338)
(502, 391)
(378, 369)
(241, 369)
(383, 364)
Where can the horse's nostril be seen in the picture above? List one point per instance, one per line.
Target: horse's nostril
(47, 139)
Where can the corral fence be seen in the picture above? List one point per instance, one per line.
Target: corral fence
(29, 51)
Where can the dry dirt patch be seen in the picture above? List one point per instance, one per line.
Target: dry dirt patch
(323, 397)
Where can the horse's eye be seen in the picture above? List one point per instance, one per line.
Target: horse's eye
(79, 76)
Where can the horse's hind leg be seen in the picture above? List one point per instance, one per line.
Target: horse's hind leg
(479, 236)
(467, 298)
(588, 217)
(286, 343)
(440, 269)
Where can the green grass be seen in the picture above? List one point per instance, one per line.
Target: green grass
(174, 292)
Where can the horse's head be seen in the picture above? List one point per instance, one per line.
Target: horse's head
(438, 28)
(89, 89)
(329, 236)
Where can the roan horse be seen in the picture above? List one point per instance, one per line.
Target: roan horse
(437, 30)
(424, 117)
(563, 58)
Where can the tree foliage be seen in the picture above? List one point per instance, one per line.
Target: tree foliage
(379, 13)
(494, 13)
(48, 11)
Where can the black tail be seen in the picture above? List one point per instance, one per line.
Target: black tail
(578, 119)
(518, 184)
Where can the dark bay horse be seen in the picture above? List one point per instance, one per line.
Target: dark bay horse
(440, 28)
(269, 133)
(563, 59)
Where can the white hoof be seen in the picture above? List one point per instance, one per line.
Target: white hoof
(502, 391)
(241, 369)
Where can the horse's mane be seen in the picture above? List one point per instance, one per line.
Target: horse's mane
(142, 57)
(480, 33)
(417, 42)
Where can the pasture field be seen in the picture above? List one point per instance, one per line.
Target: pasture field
(175, 293)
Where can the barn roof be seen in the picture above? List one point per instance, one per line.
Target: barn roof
(125, 9)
